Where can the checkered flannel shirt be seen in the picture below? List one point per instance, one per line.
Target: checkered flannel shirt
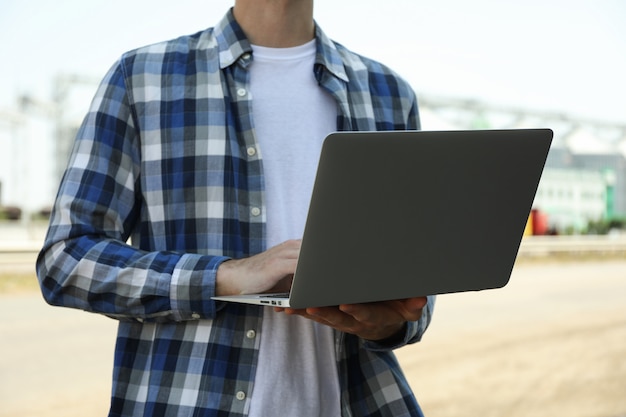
(165, 159)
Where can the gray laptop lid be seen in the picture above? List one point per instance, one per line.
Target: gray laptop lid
(402, 214)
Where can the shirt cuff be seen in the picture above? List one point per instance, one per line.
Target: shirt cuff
(193, 285)
(402, 338)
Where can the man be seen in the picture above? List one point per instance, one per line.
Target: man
(202, 152)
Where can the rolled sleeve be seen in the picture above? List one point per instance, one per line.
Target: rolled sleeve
(193, 285)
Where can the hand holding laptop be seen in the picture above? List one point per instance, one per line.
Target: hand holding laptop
(272, 270)
(370, 321)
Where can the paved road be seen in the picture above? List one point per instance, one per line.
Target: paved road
(551, 343)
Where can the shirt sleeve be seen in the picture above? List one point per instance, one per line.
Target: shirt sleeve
(86, 262)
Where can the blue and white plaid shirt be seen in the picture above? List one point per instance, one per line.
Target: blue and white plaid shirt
(167, 157)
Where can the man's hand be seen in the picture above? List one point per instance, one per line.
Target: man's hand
(370, 321)
(272, 271)
(269, 271)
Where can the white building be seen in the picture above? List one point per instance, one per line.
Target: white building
(35, 138)
(26, 161)
(571, 197)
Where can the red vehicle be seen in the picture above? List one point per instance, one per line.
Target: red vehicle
(537, 223)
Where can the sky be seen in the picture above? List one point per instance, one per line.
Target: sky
(567, 56)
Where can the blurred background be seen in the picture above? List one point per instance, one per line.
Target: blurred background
(478, 64)
(474, 64)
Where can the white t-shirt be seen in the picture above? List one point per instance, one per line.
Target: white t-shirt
(297, 372)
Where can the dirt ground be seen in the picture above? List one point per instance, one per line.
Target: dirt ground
(551, 343)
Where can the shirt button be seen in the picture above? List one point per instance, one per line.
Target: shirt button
(255, 211)
(241, 92)
(195, 316)
(241, 395)
(251, 151)
(250, 334)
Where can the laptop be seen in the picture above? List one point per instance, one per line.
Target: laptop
(402, 214)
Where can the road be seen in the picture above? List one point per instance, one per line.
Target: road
(551, 343)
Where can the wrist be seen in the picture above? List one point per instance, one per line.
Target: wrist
(224, 282)
(395, 338)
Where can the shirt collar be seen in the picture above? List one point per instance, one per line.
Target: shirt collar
(328, 56)
(233, 44)
(231, 41)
